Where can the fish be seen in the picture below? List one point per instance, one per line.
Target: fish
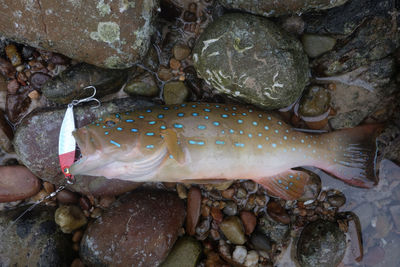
(204, 142)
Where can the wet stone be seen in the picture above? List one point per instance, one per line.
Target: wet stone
(13, 55)
(17, 183)
(268, 67)
(239, 254)
(315, 45)
(144, 85)
(395, 212)
(193, 210)
(321, 243)
(312, 188)
(260, 241)
(186, 253)
(232, 228)
(138, 230)
(38, 79)
(181, 51)
(230, 208)
(69, 218)
(67, 197)
(249, 221)
(175, 93)
(6, 134)
(275, 231)
(336, 199)
(34, 239)
(70, 84)
(277, 212)
(41, 154)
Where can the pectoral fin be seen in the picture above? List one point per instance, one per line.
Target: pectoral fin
(174, 149)
(288, 185)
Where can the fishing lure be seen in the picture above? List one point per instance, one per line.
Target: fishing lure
(66, 141)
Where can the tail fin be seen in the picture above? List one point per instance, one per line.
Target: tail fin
(355, 155)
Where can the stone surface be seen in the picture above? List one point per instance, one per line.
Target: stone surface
(144, 85)
(270, 8)
(249, 58)
(315, 45)
(193, 210)
(321, 243)
(69, 218)
(17, 183)
(70, 83)
(175, 93)
(233, 229)
(40, 155)
(138, 230)
(275, 231)
(34, 240)
(113, 34)
(185, 253)
(6, 134)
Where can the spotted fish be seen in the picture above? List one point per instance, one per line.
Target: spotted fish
(197, 142)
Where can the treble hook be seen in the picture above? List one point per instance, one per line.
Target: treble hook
(87, 99)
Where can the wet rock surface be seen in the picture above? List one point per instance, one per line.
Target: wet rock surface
(34, 240)
(249, 58)
(41, 156)
(114, 35)
(138, 230)
(279, 8)
(17, 183)
(185, 253)
(70, 83)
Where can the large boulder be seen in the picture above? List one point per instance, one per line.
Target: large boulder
(110, 34)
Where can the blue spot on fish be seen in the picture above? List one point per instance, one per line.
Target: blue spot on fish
(119, 129)
(259, 146)
(160, 116)
(266, 128)
(194, 114)
(231, 131)
(181, 114)
(152, 122)
(115, 143)
(134, 130)
(117, 115)
(223, 132)
(193, 106)
(192, 142)
(279, 181)
(285, 137)
(240, 121)
(239, 144)
(244, 114)
(163, 127)
(255, 123)
(183, 105)
(224, 116)
(280, 123)
(106, 133)
(148, 110)
(178, 125)
(250, 135)
(276, 131)
(273, 145)
(150, 134)
(219, 142)
(201, 127)
(241, 132)
(129, 120)
(216, 123)
(165, 108)
(141, 117)
(206, 117)
(149, 146)
(207, 110)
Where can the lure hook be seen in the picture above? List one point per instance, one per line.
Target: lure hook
(87, 99)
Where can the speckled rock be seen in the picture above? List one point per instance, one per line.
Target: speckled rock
(249, 58)
(35, 240)
(321, 243)
(270, 8)
(185, 253)
(138, 230)
(70, 83)
(40, 155)
(17, 183)
(111, 34)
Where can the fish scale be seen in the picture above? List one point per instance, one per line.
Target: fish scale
(202, 141)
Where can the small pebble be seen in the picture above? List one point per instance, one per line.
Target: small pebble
(106, 201)
(175, 93)
(230, 208)
(77, 236)
(67, 197)
(241, 193)
(233, 229)
(181, 190)
(38, 79)
(277, 212)
(174, 64)
(164, 74)
(77, 263)
(180, 51)
(84, 203)
(315, 45)
(69, 218)
(249, 221)
(251, 259)
(228, 193)
(96, 213)
(217, 214)
(260, 242)
(48, 187)
(193, 210)
(203, 228)
(13, 86)
(239, 254)
(13, 55)
(34, 95)
(205, 211)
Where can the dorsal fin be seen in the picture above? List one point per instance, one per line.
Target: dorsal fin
(288, 185)
(173, 147)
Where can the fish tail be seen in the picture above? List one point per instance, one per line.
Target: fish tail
(353, 155)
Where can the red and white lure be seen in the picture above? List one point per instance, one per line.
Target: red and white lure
(66, 141)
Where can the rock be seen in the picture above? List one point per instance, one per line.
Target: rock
(251, 259)
(314, 107)
(312, 188)
(374, 256)
(275, 231)
(186, 253)
(193, 210)
(365, 212)
(249, 58)
(6, 68)
(34, 240)
(345, 19)
(260, 242)
(232, 228)
(18, 105)
(321, 243)
(239, 254)
(144, 85)
(17, 183)
(38, 79)
(216, 214)
(41, 154)
(336, 198)
(138, 230)
(67, 197)
(69, 218)
(13, 55)
(277, 212)
(249, 221)
(112, 35)
(175, 93)
(6, 134)
(180, 51)
(279, 8)
(315, 45)
(230, 208)
(395, 212)
(70, 83)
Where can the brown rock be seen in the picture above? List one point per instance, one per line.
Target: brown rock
(193, 210)
(6, 68)
(181, 51)
(69, 218)
(139, 230)
(249, 221)
(277, 212)
(174, 64)
(13, 86)
(13, 55)
(16, 183)
(217, 214)
(67, 197)
(6, 134)
(113, 34)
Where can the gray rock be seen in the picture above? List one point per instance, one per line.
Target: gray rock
(185, 253)
(275, 231)
(144, 85)
(111, 34)
(271, 8)
(138, 230)
(70, 83)
(321, 243)
(315, 45)
(249, 58)
(175, 93)
(40, 154)
(34, 240)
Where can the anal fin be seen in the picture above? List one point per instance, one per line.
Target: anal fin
(288, 185)
(174, 149)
